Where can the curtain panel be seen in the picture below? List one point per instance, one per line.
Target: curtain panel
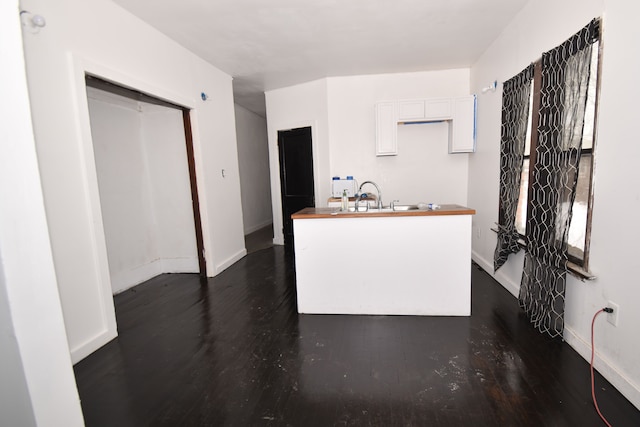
(563, 98)
(515, 112)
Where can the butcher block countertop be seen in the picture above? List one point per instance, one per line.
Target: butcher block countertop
(314, 213)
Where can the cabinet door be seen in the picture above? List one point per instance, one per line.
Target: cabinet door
(438, 109)
(462, 133)
(411, 110)
(386, 129)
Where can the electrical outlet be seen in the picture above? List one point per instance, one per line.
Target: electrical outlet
(613, 317)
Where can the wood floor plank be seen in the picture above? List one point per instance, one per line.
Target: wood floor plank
(235, 352)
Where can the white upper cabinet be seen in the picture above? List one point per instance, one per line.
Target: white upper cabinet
(460, 112)
(425, 109)
(462, 131)
(386, 129)
(438, 109)
(411, 110)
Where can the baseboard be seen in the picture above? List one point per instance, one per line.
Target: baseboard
(124, 280)
(583, 348)
(257, 227)
(605, 367)
(81, 351)
(229, 262)
(180, 265)
(506, 282)
(486, 265)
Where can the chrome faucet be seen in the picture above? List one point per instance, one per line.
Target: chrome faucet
(357, 202)
(377, 189)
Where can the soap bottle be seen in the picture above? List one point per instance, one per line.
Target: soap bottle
(345, 200)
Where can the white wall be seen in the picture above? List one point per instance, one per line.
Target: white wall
(145, 195)
(101, 38)
(614, 239)
(36, 377)
(253, 159)
(341, 111)
(15, 402)
(423, 171)
(166, 157)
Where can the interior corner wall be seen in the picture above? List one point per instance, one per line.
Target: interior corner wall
(102, 39)
(613, 238)
(253, 159)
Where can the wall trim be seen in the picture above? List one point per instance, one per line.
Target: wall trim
(506, 282)
(257, 227)
(607, 369)
(604, 366)
(80, 66)
(219, 268)
(126, 280)
(84, 349)
(180, 265)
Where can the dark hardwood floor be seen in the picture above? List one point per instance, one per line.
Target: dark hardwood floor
(236, 353)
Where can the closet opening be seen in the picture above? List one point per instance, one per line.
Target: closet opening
(145, 165)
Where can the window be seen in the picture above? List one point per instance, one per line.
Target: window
(580, 225)
(550, 200)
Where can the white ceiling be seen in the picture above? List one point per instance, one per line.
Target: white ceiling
(268, 44)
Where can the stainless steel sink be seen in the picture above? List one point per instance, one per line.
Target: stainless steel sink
(396, 208)
(364, 210)
(405, 207)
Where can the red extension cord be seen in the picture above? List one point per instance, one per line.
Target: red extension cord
(593, 351)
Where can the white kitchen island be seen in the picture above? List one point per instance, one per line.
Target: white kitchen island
(414, 262)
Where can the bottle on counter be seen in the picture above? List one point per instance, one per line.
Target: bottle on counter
(345, 201)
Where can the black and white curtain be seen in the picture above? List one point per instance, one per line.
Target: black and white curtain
(563, 92)
(515, 112)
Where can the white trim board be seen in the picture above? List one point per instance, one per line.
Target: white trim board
(230, 261)
(131, 278)
(257, 227)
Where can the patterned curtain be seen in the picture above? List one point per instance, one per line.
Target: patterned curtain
(515, 111)
(565, 77)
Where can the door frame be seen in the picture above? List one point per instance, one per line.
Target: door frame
(281, 172)
(274, 166)
(102, 279)
(195, 199)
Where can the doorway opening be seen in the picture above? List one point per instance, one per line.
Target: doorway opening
(295, 151)
(143, 150)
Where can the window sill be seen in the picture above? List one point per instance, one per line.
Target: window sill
(574, 269)
(579, 272)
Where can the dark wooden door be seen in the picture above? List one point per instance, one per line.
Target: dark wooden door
(296, 175)
(195, 201)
